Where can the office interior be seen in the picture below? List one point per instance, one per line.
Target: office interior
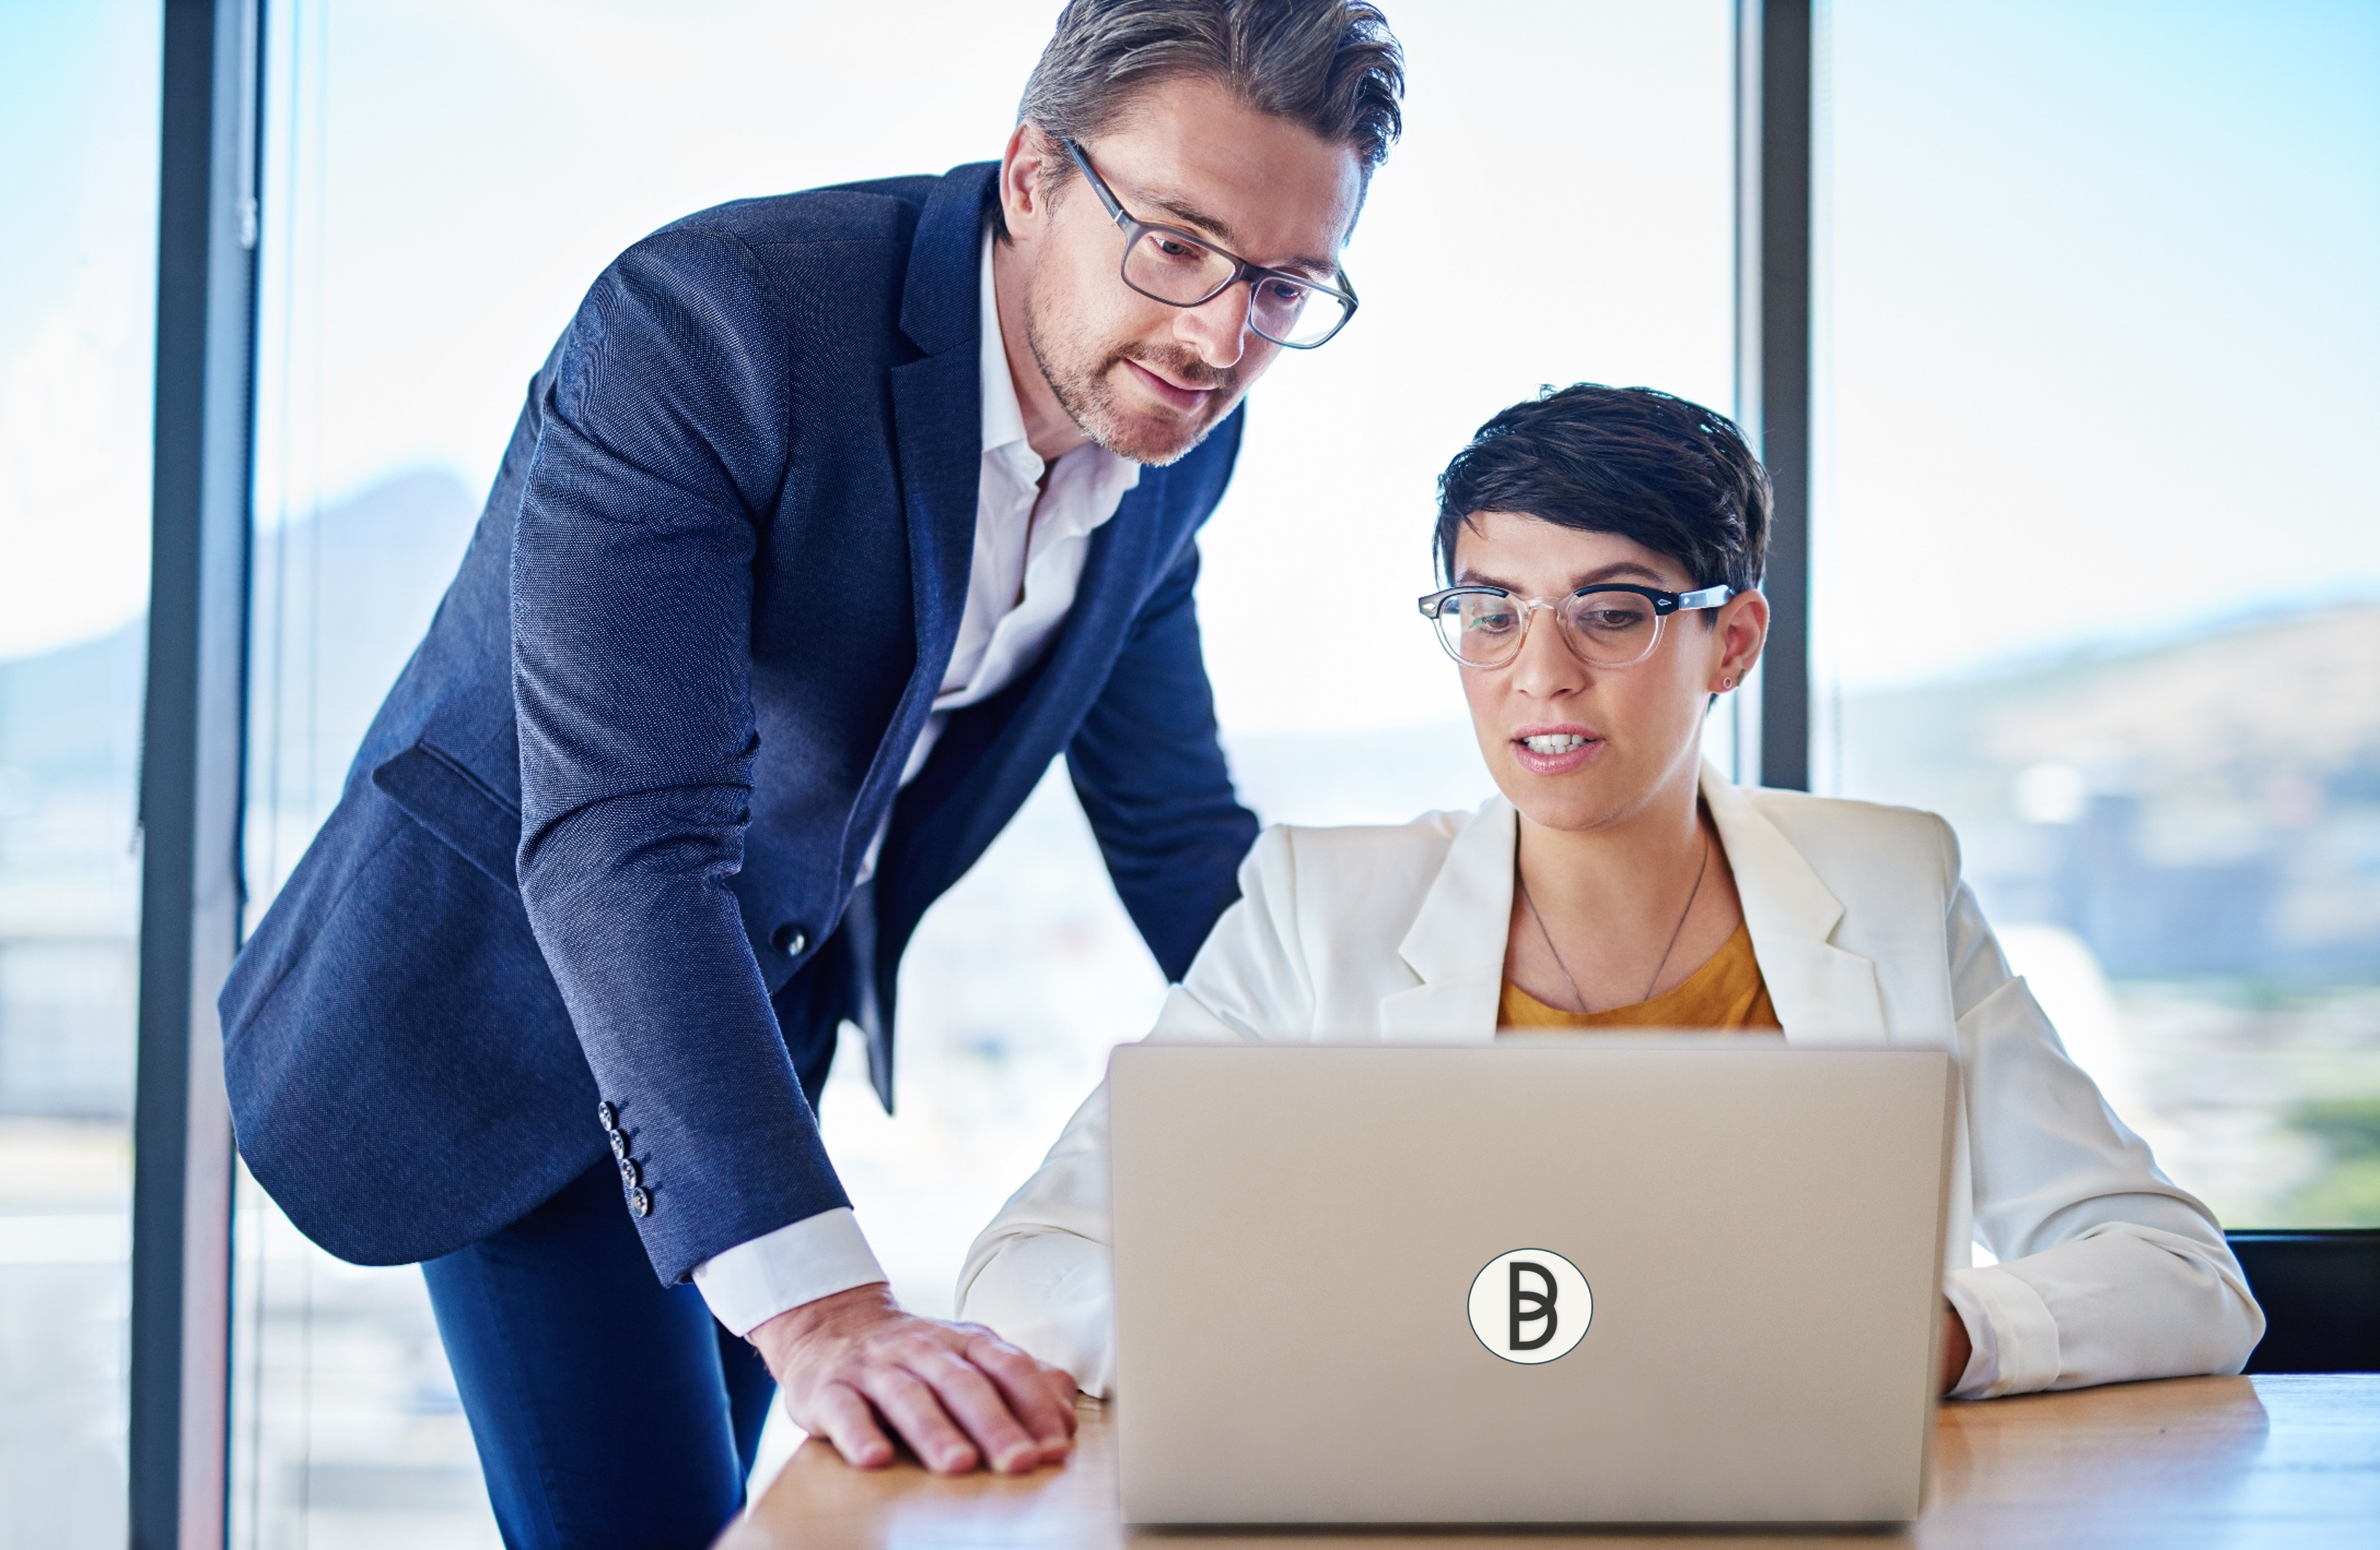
(2053, 319)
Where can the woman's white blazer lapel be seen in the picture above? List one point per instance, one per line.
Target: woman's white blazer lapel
(1821, 991)
(1456, 945)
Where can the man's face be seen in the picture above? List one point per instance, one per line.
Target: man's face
(1145, 380)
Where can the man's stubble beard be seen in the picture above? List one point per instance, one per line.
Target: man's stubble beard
(1078, 371)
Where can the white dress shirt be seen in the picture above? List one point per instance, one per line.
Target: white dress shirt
(1863, 932)
(1030, 545)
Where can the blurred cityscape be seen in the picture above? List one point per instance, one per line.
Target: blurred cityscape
(2203, 806)
(2180, 839)
(2185, 834)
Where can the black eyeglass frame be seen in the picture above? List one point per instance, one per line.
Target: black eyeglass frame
(1135, 228)
(1433, 608)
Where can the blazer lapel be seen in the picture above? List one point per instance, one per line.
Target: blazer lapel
(1455, 945)
(1128, 556)
(1821, 992)
(938, 432)
(993, 753)
(937, 421)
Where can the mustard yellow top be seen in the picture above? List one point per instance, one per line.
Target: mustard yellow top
(1726, 992)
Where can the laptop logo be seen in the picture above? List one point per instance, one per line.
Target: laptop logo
(1531, 1305)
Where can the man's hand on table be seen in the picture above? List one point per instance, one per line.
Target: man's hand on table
(853, 1365)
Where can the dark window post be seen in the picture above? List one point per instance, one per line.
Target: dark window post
(190, 772)
(1772, 342)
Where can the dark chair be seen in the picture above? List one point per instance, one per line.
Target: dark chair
(2321, 1296)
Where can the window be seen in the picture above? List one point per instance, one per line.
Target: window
(78, 289)
(2099, 568)
(2096, 572)
(442, 186)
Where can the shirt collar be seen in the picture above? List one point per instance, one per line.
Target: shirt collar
(1003, 416)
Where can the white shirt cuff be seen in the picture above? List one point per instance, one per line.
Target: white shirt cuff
(2014, 1337)
(753, 1282)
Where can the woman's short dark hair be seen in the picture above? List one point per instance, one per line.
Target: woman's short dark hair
(1330, 65)
(1667, 473)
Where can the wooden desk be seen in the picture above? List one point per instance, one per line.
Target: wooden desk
(2289, 1462)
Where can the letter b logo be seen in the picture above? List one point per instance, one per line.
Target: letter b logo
(1533, 1306)
(1530, 1305)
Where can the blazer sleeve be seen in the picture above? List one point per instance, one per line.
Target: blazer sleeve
(1040, 1273)
(1152, 779)
(2107, 1271)
(664, 444)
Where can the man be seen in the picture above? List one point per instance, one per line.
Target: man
(831, 519)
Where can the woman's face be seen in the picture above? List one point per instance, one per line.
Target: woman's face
(1581, 747)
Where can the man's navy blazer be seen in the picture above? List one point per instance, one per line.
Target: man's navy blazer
(600, 842)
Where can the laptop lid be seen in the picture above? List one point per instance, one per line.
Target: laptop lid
(1551, 1282)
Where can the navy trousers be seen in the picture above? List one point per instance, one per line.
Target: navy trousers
(608, 1409)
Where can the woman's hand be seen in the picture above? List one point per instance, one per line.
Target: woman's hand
(1956, 1348)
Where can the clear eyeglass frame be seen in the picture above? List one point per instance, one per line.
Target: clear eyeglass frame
(1607, 625)
(1288, 310)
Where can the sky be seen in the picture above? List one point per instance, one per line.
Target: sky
(2099, 286)
(2102, 309)
(78, 182)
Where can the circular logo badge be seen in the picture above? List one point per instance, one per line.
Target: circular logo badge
(1530, 1305)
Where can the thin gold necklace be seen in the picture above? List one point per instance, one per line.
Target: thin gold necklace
(1675, 932)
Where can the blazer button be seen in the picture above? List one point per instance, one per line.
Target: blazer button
(619, 1145)
(788, 940)
(630, 1174)
(609, 1115)
(640, 1202)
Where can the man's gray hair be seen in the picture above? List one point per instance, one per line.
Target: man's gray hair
(1330, 65)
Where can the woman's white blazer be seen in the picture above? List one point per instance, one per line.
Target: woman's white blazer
(1863, 932)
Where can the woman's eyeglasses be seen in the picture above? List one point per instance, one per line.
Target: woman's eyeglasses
(1608, 624)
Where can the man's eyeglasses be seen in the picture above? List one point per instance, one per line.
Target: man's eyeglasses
(1608, 624)
(1167, 264)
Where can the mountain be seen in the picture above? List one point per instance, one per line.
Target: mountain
(2206, 805)
(339, 599)
(338, 603)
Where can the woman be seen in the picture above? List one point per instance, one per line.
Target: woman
(1604, 546)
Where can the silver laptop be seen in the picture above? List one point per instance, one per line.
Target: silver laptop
(1564, 1281)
